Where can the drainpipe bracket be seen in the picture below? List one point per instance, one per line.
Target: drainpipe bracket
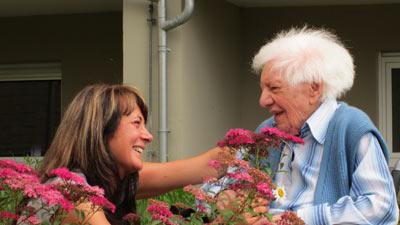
(164, 49)
(164, 130)
(152, 20)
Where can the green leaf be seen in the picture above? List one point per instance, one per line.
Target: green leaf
(76, 213)
(154, 222)
(281, 165)
(213, 207)
(227, 214)
(83, 215)
(269, 216)
(268, 170)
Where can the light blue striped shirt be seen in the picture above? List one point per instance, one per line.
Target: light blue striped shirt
(372, 191)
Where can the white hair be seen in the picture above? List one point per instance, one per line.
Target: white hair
(309, 55)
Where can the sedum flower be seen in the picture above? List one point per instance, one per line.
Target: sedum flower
(103, 202)
(30, 220)
(21, 168)
(66, 175)
(131, 217)
(19, 184)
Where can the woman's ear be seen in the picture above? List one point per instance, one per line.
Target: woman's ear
(315, 92)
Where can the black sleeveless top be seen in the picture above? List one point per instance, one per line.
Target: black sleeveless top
(124, 199)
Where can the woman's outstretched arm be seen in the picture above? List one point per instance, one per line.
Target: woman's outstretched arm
(158, 178)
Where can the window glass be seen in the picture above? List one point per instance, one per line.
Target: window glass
(29, 116)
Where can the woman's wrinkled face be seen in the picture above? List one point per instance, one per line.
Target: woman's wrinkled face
(290, 106)
(129, 141)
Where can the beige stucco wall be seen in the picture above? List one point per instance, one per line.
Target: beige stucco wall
(366, 30)
(203, 71)
(89, 46)
(212, 68)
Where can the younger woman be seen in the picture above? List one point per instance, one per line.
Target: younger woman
(102, 136)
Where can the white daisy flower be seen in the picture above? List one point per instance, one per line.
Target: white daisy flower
(279, 193)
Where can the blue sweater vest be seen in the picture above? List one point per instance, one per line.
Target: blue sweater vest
(344, 133)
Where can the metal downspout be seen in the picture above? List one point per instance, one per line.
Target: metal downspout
(165, 25)
(151, 21)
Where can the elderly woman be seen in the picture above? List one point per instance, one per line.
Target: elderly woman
(340, 175)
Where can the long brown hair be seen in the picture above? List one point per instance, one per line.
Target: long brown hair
(80, 142)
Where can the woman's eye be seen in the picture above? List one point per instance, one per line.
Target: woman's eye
(136, 122)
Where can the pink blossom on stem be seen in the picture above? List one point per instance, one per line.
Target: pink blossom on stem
(209, 180)
(159, 210)
(103, 202)
(196, 192)
(94, 190)
(214, 164)
(201, 208)
(241, 176)
(53, 197)
(264, 189)
(276, 133)
(30, 220)
(162, 218)
(158, 203)
(8, 215)
(66, 175)
(241, 164)
(237, 137)
(131, 217)
(22, 168)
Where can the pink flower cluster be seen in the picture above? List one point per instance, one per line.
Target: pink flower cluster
(30, 220)
(22, 168)
(263, 188)
(159, 211)
(245, 192)
(66, 175)
(103, 202)
(241, 176)
(31, 187)
(267, 136)
(75, 189)
(214, 164)
(8, 215)
(131, 217)
(198, 194)
(237, 137)
(277, 134)
(248, 178)
(65, 194)
(290, 218)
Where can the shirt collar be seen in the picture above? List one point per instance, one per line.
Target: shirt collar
(318, 122)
